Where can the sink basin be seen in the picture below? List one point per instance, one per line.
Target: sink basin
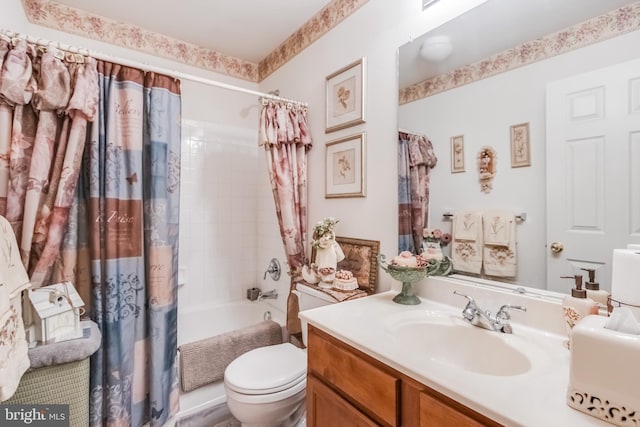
(454, 343)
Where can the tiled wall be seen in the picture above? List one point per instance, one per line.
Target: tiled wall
(222, 168)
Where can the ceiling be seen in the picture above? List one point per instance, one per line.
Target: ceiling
(494, 26)
(246, 29)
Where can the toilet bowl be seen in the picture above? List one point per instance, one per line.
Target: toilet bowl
(266, 386)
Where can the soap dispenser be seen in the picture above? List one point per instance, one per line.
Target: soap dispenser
(577, 305)
(593, 288)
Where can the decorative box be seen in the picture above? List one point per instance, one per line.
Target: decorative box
(604, 379)
(56, 313)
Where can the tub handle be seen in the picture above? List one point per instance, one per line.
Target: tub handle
(273, 270)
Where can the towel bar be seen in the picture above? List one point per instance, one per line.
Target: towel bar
(520, 217)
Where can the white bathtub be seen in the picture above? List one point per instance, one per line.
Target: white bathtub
(206, 322)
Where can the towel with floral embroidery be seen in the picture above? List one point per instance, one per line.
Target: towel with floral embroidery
(466, 244)
(499, 252)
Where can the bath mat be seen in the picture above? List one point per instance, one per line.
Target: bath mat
(204, 361)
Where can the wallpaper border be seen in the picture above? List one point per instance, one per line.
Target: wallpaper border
(615, 23)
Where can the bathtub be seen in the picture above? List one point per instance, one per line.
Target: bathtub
(206, 322)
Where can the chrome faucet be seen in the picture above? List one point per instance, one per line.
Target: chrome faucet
(272, 294)
(483, 319)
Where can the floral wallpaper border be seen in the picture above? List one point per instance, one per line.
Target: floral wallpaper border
(603, 27)
(60, 17)
(75, 21)
(321, 23)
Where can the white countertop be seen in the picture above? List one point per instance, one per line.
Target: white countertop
(536, 397)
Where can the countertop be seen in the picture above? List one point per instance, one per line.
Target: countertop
(536, 397)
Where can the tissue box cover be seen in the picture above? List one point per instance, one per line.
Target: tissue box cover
(604, 379)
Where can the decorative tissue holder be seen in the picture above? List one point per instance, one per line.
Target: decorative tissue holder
(604, 378)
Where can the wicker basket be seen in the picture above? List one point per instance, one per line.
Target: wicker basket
(65, 384)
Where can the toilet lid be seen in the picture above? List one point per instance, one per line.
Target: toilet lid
(267, 369)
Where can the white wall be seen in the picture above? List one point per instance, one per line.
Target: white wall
(483, 112)
(375, 31)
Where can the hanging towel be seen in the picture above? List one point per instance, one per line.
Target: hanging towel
(499, 243)
(466, 225)
(14, 358)
(466, 245)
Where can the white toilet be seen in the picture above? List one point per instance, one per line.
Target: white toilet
(265, 387)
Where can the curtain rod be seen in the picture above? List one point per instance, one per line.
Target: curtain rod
(147, 67)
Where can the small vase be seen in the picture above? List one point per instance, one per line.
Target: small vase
(406, 296)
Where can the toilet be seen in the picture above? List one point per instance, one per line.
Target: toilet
(266, 386)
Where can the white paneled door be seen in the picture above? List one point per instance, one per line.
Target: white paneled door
(593, 171)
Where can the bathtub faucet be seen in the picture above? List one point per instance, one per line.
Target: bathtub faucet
(272, 294)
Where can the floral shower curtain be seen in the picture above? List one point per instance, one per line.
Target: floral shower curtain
(108, 222)
(285, 135)
(416, 158)
(131, 200)
(46, 102)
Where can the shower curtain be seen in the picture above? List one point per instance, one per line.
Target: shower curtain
(130, 197)
(100, 208)
(416, 158)
(284, 133)
(46, 101)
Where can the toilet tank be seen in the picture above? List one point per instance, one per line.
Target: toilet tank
(309, 298)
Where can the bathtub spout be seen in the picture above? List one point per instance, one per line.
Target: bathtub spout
(272, 294)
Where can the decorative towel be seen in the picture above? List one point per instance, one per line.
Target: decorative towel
(466, 225)
(203, 362)
(499, 243)
(14, 359)
(497, 227)
(466, 244)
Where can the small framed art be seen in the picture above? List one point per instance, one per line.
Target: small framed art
(520, 148)
(457, 154)
(345, 168)
(345, 97)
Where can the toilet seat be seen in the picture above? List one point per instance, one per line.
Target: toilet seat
(267, 370)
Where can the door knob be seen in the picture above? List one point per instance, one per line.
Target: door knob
(556, 247)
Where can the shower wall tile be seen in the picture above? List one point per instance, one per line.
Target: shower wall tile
(219, 230)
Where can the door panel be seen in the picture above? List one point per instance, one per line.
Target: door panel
(593, 170)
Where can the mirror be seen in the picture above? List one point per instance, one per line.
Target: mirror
(491, 79)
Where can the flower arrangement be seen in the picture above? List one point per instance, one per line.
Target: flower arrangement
(437, 236)
(323, 228)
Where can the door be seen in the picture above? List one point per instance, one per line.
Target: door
(593, 171)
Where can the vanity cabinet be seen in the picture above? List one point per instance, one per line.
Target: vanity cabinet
(346, 387)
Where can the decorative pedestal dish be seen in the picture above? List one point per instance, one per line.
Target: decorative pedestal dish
(409, 275)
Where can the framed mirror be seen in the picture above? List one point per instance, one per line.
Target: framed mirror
(504, 56)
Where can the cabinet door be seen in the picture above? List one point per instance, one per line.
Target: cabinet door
(367, 383)
(326, 408)
(435, 413)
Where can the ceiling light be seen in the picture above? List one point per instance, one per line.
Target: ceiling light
(436, 48)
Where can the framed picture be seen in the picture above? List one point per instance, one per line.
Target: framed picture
(345, 97)
(520, 148)
(361, 258)
(345, 167)
(457, 154)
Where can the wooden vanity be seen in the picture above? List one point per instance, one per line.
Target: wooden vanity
(346, 387)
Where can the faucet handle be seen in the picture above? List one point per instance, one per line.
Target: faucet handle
(471, 303)
(471, 309)
(502, 314)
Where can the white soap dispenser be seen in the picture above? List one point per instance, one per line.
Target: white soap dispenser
(577, 305)
(593, 288)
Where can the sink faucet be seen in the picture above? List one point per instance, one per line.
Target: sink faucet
(272, 294)
(483, 319)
